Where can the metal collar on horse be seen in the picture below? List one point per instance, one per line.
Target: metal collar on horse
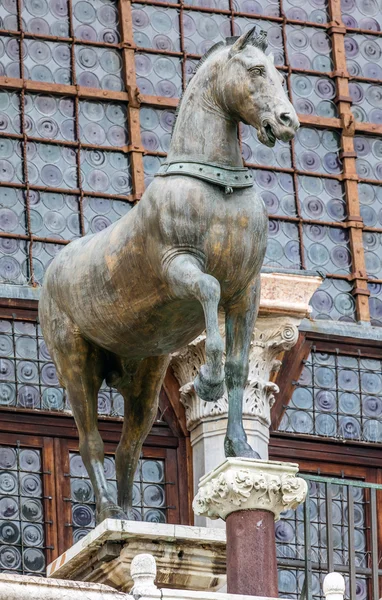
(229, 178)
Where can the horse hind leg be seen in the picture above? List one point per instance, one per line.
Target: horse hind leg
(140, 389)
(80, 365)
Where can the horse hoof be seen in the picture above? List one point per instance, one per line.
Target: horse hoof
(208, 391)
(111, 511)
(239, 449)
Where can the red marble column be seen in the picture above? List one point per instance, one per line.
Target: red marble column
(251, 553)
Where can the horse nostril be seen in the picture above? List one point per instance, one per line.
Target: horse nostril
(286, 118)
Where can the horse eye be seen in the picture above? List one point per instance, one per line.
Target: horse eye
(257, 70)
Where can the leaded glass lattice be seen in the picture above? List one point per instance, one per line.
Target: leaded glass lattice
(22, 534)
(28, 376)
(64, 147)
(337, 396)
(290, 538)
(149, 495)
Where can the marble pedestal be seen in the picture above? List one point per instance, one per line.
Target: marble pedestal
(250, 495)
(187, 557)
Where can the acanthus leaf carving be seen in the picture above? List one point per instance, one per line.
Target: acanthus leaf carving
(271, 336)
(241, 484)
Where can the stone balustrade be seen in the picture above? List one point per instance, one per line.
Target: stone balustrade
(143, 572)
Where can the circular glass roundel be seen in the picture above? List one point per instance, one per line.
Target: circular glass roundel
(8, 483)
(53, 399)
(109, 468)
(153, 495)
(372, 430)
(326, 425)
(8, 458)
(31, 485)
(33, 535)
(31, 510)
(371, 383)
(82, 516)
(349, 403)
(285, 532)
(79, 534)
(8, 508)
(9, 532)
(287, 582)
(81, 491)
(7, 394)
(155, 516)
(30, 460)
(34, 560)
(77, 467)
(152, 471)
(372, 406)
(301, 421)
(325, 401)
(325, 377)
(10, 558)
(349, 428)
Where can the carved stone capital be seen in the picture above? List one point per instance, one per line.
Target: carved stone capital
(272, 335)
(246, 484)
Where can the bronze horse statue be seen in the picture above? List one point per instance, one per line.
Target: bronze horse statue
(116, 304)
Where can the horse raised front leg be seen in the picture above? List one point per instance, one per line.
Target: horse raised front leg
(188, 281)
(240, 320)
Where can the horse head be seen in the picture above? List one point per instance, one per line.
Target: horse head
(252, 89)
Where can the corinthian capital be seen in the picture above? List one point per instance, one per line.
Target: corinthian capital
(271, 336)
(284, 303)
(246, 484)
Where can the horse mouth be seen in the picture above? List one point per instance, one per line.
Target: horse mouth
(269, 135)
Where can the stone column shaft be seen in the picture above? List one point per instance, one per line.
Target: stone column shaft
(250, 546)
(250, 495)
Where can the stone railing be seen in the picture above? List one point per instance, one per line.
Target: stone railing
(143, 573)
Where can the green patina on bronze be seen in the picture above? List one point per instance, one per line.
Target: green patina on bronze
(114, 305)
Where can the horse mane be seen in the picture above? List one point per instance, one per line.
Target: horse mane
(205, 56)
(259, 41)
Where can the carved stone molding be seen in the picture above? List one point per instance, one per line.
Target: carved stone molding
(272, 335)
(246, 484)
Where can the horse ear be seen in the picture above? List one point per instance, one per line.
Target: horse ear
(242, 42)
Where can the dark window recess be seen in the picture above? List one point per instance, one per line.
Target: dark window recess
(22, 535)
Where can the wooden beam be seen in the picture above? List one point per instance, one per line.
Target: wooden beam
(338, 31)
(287, 377)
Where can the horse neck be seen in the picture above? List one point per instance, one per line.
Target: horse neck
(204, 132)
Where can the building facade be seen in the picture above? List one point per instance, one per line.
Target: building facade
(88, 92)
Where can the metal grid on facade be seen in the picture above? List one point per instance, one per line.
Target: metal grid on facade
(337, 396)
(137, 58)
(309, 186)
(65, 150)
(331, 532)
(28, 377)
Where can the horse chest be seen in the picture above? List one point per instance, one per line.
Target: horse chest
(234, 251)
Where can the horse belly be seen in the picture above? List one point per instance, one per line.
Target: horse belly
(162, 330)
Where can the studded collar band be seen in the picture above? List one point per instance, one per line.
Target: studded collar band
(227, 177)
